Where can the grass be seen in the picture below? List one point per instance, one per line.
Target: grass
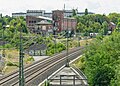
(10, 69)
(84, 42)
(12, 56)
(12, 60)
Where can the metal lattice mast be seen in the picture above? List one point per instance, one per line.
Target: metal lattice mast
(21, 67)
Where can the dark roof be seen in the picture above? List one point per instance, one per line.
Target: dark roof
(37, 47)
(18, 13)
(48, 13)
(3, 42)
(84, 13)
(35, 11)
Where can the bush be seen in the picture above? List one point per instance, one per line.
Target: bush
(30, 59)
(11, 64)
(9, 56)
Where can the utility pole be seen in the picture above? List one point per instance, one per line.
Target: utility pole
(54, 33)
(3, 53)
(67, 64)
(4, 27)
(21, 68)
(79, 38)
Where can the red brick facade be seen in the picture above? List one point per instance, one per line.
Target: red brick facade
(69, 23)
(63, 23)
(57, 17)
(60, 22)
(31, 21)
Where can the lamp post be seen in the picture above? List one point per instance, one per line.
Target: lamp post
(21, 68)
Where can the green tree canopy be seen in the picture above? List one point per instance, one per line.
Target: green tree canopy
(102, 59)
(86, 11)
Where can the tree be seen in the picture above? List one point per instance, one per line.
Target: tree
(86, 11)
(105, 27)
(114, 17)
(80, 27)
(74, 12)
(102, 61)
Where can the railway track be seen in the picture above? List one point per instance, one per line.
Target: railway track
(40, 69)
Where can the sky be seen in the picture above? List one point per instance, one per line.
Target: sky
(7, 7)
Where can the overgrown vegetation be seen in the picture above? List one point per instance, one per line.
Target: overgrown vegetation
(101, 63)
(97, 23)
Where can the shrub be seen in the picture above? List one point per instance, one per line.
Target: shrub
(11, 64)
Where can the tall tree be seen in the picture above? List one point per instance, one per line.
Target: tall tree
(86, 11)
(102, 61)
(74, 12)
(114, 17)
(105, 27)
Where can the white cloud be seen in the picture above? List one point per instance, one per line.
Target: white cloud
(97, 6)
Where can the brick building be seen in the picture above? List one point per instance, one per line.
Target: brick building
(69, 24)
(32, 22)
(57, 17)
(58, 22)
(111, 26)
(63, 23)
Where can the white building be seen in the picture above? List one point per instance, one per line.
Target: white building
(15, 15)
(35, 12)
(68, 13)
(83, 13)
(48, 14)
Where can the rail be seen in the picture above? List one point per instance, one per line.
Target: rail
(35, 69)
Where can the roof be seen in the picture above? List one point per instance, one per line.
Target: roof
(18, 13)
(69, 18)
(3, 42)
(43, 22)
(35, 11)
(48, 13)
(68, 11)
(37, 47)
(46, 18)
(84, 13)
(67, 76)
(112, 23)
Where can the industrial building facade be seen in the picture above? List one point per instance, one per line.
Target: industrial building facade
(60, 20)
(57, 23)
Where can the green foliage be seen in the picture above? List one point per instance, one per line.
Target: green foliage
(86, 11)
(105, 27)
(51, 48)
(12, 33)
(9, 56)
(93, 23)
(102, 59)
(47, 83)
(114, 17)
(30, 59)
(12, 64)
(74, 12)
(80, 63)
